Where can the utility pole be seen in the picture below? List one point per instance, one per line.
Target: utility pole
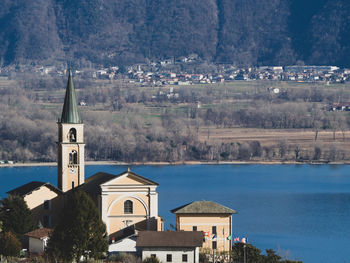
(245, 255)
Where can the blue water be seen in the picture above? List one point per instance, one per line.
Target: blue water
(301, 211)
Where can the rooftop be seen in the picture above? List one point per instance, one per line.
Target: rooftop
(32, 186)
(70, 113)
(203, 207)
(93, 184)
(170, 239)
(39, 233)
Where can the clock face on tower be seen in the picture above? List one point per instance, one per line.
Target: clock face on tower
(72, 170)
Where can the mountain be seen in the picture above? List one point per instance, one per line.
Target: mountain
(243, 32)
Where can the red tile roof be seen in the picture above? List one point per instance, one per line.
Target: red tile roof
(39, 233)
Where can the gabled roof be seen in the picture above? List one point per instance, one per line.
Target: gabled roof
(40, 233)
(170, 239)
(203, 207)
(32, 186)
(93, 184)
(70, 113)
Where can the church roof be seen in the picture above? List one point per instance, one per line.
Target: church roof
(30, 187)
(70, 113)
(203, 207)
(93, 184)
(170, 239)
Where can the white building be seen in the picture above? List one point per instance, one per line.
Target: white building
(171, 246)
(38, 240)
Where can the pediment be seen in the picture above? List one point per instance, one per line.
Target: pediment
(129, 178)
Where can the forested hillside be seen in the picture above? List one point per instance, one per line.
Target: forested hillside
(243, 32)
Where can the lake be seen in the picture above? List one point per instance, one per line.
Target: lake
(301, 211)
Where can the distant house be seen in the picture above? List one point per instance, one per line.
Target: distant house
(213, 219)
(341, 106)
(171, 246)
(38, 240)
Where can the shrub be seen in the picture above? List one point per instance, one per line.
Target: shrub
(9, 245)
(151, 260)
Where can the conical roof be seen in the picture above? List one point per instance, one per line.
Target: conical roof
(70, 113)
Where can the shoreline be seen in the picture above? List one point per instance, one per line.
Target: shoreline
(31, 164)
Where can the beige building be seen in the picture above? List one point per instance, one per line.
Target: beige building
(43, 199)
(126, 202)
(213, 219)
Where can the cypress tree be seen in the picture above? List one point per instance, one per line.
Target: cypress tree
(16, 216)
(80, 232)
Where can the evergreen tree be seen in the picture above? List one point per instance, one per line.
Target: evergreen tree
(253, 254)
(271, 256)
(16, 216)
(80, 232)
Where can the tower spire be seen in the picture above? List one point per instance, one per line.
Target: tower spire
(70, 113)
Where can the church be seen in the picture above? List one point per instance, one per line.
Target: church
(126, 201)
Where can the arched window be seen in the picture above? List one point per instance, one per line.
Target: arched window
(128, 207)
(72, 135)
(73, 157)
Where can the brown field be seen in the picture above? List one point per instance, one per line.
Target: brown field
(271, 137)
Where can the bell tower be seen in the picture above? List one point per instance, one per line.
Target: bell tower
(70, 163)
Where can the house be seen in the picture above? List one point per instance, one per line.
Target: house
(125, 243)
(171, 246)
(124, 200)
(38, 240)
(41, 198)
(213, 219)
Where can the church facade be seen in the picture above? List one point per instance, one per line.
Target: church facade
(125, 201)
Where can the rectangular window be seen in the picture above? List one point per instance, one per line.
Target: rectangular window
(169, 258)
(47, 205)
(153, 255)
(194, 228)
(184, 257)
(214, 245)
(213, 230)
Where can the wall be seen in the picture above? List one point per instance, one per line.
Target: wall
(124, 245)
(161, 253)
(205, 222)
(35, 201)
(36, 245)
(143, 196)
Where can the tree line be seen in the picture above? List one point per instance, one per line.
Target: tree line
(131, 124)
